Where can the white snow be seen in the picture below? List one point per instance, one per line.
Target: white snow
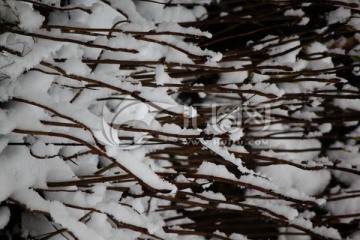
(161, 76)
(72, 111)
(4, 216)
(20, 171)
(75, 66)
(30, 19)
(339, 15)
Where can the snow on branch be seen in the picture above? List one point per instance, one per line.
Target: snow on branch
(142, 119)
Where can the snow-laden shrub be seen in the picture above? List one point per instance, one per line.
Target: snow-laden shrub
(127, 119)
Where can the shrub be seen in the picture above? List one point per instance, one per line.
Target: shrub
(179, 119)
